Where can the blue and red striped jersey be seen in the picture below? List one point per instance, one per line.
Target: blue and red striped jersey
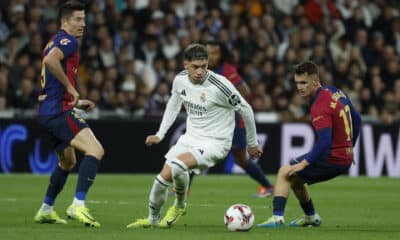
(54, 98)
(331, 108)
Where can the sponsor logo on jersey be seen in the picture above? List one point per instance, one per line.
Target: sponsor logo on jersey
(183, 93)
(65, 41)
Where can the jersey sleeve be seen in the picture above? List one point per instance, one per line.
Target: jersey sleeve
(67, 44)
(231, 98)
(171, 111)
(321, 111)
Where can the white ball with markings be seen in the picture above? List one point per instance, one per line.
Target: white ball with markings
(239, 217)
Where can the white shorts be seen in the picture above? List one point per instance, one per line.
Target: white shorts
(206, 154)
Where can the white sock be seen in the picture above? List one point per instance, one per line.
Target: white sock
(157, 198)
(181, 184)
(279, 218)
(79, 203)
(47, 209)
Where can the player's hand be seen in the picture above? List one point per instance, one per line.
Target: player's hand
(297, 167)
(85, 105)
(152, 139)
(254, 152)
(74, 95)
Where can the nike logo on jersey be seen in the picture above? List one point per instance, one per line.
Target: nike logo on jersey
(183, 93)
(201, 151)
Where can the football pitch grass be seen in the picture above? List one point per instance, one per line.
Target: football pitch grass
(351, 208)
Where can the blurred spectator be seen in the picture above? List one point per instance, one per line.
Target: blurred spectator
(26, 95)
(131, 50)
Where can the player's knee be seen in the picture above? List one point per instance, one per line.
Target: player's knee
(97, 151)
(241, 162)
(283, 171)
(178, 167)
(67, 165)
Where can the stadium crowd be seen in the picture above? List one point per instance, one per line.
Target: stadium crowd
(132, 50)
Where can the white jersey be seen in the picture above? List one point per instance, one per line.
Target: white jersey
(210, 109)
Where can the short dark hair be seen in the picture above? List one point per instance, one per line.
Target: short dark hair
(225, 53)
(67, 8)
(306, 67)
(195, 51)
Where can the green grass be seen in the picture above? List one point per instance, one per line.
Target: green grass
(351, 208)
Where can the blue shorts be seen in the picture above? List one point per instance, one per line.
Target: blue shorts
(239, 140)
(320, 170)
(62, 128)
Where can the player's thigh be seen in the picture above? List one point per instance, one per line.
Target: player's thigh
(62, 128)
(67, 158)
(321, 171)
(206, 155)
(86, 142)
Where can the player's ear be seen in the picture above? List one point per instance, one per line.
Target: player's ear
(186, 64)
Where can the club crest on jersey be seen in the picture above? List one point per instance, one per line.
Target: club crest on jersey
(234, 100)
(203, 97)
(65, 41)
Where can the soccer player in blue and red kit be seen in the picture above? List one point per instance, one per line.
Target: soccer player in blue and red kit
(217, 52)
(337, 125)
(55, 114)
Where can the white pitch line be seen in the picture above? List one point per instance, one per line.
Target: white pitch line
(8, 199)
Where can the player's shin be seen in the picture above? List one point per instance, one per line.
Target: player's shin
(157, 198)
(180, 177)
(57, 182)
(87, 174)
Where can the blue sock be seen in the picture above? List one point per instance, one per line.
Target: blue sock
(279, 205)
(87, 173)
(308, 208)
(57, 182)
(255, 171)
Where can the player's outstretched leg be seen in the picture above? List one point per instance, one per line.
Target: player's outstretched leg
(254, 171)
(87, 174)
(180, 176)
(157, 198)
(46, 213)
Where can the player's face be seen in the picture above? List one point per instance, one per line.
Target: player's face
(214, 55)
(196, 69)
(75, 24)
(306, 84)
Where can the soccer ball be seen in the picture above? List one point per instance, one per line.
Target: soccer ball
(239, 217)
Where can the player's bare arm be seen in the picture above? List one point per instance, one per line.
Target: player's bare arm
(53, 63)
(152, 139)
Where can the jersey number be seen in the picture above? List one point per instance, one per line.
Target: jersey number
(346, 116)
(43, 76)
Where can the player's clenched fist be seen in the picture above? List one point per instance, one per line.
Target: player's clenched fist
(152, 139)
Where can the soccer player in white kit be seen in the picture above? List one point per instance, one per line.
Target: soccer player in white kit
(210, 101)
